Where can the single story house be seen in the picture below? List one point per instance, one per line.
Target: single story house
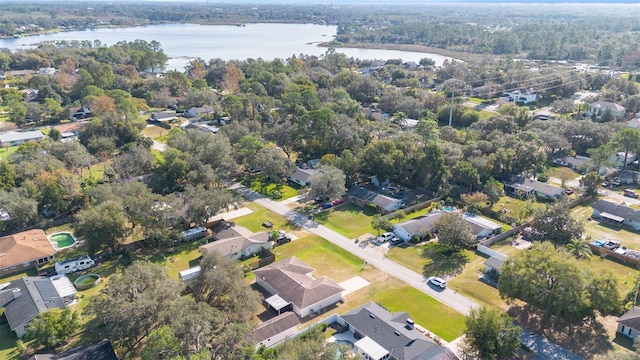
(101, 350)
(302, 177)
(239, 247)
(481, 227)
(599, 107)
(235, 241)
(573, 162)
(494, 263)
(15, 138)
(612, 213)
(25, 298)
(204, 126)
(164, 116)
(522, 186)
(519, 96)
(363, 197)
(380, 335)
(291, 284)
(24, 250)
(629, 323)
(420, 226)
(273, 331)
(79, 113)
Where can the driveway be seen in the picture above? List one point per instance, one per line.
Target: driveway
(369, 254)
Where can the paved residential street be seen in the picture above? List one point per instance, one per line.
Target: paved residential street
(544, 348)
(447, 296)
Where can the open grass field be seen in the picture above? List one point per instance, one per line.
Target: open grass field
(274, 191)
(516, 208)
(348, 219)
(468, 283)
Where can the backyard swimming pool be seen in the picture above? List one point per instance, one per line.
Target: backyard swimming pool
(62, 240)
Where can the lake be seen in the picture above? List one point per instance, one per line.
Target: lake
(182, 42)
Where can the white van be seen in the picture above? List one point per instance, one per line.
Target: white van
(75, 264)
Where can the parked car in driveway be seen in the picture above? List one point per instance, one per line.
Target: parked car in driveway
(439, 282)
(388, 236)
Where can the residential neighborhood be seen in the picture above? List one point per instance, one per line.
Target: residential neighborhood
(447, 199)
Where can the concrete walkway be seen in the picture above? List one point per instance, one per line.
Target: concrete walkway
(418, 281)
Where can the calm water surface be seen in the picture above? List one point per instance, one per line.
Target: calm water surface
(182, 42)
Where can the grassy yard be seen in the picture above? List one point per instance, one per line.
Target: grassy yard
(348, 219)
(259, 215)
(6, 151)
(554, 172)
(518, 209)
(274, 191)
(155, 132)
(466, 266)
(384, 289)
(597, 230)
(319, 253)
(8, 340)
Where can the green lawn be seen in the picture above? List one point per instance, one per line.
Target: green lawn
(318, 253)
(6, 151)
(259, 215)
(424, 310)
(468, 284)
(384, 289)
(513, 208)
(348, 219)
(8, 340)
(274, 191)
(466, 266)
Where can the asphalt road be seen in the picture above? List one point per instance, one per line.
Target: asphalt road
(368, 254)
(543, 348)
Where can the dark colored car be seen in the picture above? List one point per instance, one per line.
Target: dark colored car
(267, 224)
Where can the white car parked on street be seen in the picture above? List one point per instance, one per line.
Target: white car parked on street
(439, 282)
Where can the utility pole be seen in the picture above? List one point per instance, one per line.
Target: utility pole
(451, 109)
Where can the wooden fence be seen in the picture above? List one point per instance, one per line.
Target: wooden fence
(604, 252)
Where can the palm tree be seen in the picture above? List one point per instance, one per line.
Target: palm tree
(579, 248)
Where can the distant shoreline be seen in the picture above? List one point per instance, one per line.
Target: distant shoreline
(467, 57)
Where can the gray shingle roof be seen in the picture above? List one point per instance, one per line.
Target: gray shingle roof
(275, 326)
(365, 195)
(389, 331)
(616, 209)
(37, 295)
(291, 279)
(21, 136)
(234, 245)
(421, 225)
(631, 318)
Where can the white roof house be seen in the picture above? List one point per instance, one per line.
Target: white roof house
(14, 138)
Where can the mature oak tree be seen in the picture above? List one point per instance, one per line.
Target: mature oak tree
(491, 334)
(454, 231)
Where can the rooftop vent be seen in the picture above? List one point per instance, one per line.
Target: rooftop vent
(16, 293)
(411, 324)
(372, 316)
(397, 333)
